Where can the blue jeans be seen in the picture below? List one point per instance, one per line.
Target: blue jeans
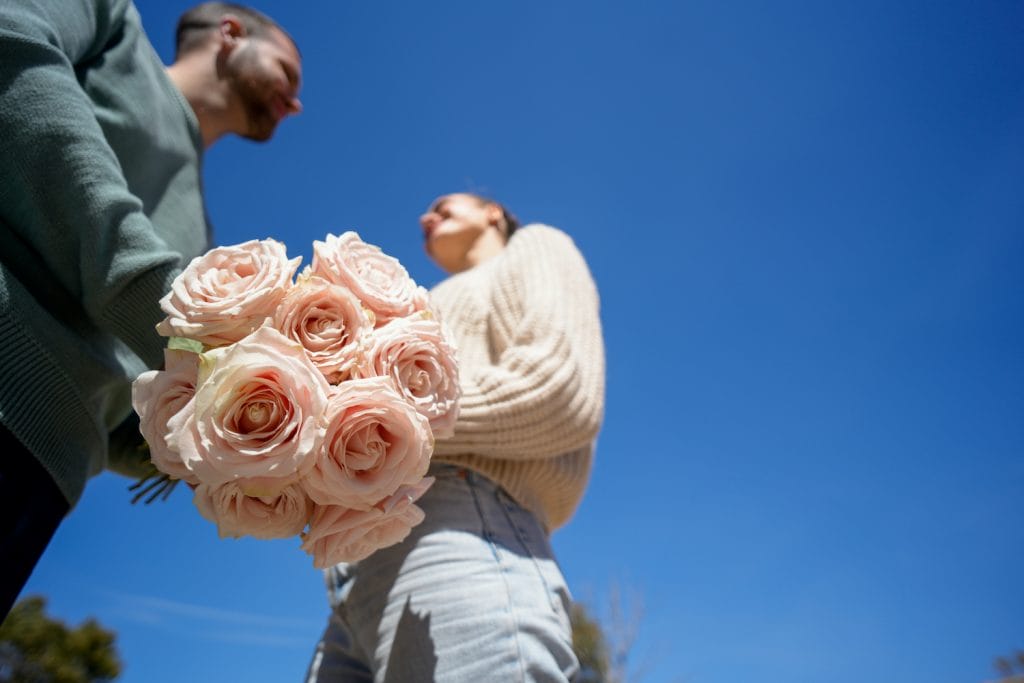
(473, 594)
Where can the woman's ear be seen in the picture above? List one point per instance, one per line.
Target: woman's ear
(495, 216)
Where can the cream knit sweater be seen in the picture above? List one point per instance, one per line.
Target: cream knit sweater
(531, 366)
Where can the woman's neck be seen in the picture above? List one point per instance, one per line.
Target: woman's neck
(487, 246)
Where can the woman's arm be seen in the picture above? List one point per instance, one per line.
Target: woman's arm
(544, 394)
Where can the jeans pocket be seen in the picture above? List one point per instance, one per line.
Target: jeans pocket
(534, 545)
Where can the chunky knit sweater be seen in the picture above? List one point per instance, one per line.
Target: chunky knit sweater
(531, 365)
(100, 206)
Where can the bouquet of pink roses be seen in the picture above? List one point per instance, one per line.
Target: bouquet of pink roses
(301, 405)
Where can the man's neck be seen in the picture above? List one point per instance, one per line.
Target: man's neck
(204, 94)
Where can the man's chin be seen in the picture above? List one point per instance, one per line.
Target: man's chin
(261, 129)
(259, 134)
(262, 137)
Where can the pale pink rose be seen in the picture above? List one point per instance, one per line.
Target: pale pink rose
(379, 280)
(414, 352)
(338, 534)
(228, 292)
(421, 302)
(236, 514)
(257, 412)
(375, 443)
(162, 397)
(328, 320)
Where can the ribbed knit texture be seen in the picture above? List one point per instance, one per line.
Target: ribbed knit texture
(531, 365)
(100, 207)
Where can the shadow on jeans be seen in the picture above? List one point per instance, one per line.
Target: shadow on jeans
(412, 655)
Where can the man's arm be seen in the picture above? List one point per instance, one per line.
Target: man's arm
(63, 194)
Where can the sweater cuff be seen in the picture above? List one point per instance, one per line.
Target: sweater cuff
(134, 316)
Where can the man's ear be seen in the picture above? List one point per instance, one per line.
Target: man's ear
(231, 31)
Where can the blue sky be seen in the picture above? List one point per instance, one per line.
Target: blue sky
(805, 221)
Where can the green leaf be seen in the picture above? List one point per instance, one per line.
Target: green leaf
(185, 344)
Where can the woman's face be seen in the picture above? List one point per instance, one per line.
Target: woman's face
(452, 226)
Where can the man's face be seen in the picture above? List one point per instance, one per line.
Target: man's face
(265, 73)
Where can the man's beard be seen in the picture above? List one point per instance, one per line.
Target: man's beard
(259, 115)
(255, 95)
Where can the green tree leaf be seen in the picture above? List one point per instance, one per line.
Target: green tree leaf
(36, 648)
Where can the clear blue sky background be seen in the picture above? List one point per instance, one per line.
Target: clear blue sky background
(806, 221)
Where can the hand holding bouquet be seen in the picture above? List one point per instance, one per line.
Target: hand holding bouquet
(301, 406)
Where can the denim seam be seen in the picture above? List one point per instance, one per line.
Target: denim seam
(504, 579)
(506, 503)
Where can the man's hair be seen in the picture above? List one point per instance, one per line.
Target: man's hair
(511, 222)
(195, 24)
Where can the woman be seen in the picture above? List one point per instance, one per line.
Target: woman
(474, 593)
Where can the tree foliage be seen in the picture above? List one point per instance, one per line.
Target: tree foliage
(1011, 668)
(36, 648)
(590, 645)
(604, 645)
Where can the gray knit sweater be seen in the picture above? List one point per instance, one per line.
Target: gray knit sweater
(531, 365)
(100, 206)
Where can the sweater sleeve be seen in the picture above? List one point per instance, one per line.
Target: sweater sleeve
(544, 393)
(64, 196)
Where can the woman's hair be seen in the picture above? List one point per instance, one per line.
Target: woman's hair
(511, 222)
(194, 24)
